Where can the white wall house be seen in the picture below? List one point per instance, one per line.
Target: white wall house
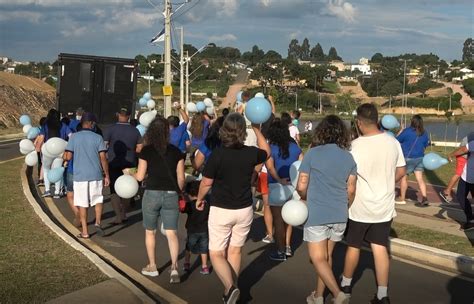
(363, 68)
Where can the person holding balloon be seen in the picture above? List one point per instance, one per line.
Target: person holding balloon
(466, 183)
(284, 152)
(179, 131)
(124, 142)
(229, 173)
(414, 141)
(199, 130)
(52, 128)
(163, 164)
(327, 181)
(211, 142)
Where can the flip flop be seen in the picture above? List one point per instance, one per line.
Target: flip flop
(80, 236)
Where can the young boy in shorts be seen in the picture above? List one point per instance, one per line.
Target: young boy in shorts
(196, 225)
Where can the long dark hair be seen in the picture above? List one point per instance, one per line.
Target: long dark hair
(53, 122)
(279, 134)
(285, 118)
(197, 125)
(331, 130)
(417, 124)
(213, 139)
(158, 134)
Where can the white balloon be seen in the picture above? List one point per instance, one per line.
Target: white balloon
(294, 212)
(191, 107)
(46, 153)
(31, 159)
(259, 94)
(279, 194)
(126, 186)
(294, 168)
(210, 110)
(24, 152)
(26, 146)
(26, 128)
(55, 146)
(208, 102)
(146, 118)
(150, 104)
(57, 163)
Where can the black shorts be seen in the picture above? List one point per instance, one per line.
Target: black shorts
(376, 233)
(114, 174)
(198, 242)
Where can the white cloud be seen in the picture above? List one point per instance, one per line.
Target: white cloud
(32, 17)
(128, 21)
(74, 32)
(265, 3)
(341, 9)
(62, 2)
(223, 37)
(389, 31)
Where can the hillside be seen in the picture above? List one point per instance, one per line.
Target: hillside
(23, 95)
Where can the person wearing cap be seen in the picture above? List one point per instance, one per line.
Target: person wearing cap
(124, 142)
(75, 121)
(91, 171)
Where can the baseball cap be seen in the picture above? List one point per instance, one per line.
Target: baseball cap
(124, 111)
(80, 110)
(88, 116)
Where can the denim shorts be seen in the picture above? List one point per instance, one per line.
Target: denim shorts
(69, 182)
(333, 232)
(414, 164)
(198, 242)
(156, 203)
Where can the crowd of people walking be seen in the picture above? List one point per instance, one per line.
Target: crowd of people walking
(347, 179)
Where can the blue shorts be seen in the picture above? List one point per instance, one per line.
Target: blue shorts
(414, 164)
(156, 203)
(69, 182)
(198, 242)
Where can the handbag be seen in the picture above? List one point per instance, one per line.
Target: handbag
(181, 200)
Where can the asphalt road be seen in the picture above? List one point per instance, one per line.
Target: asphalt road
(9, 149)
(265, 281)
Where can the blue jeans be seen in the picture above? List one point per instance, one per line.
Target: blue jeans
(157, 203)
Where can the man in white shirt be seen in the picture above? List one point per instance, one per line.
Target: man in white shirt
(380, 164)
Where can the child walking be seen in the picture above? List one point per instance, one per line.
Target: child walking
(196, 226)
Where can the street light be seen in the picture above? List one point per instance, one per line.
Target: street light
(187, 59)
(404, 99)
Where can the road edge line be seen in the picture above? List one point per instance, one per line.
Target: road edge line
(94, 258)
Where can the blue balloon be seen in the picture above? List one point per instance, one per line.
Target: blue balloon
(433, 161)
(390, 133)
(258, 110)
(147, 96)
(239, 96)
(201, 106)
(279, 194)
(55, 175)
(141, 129)
(142, 102)
(33, 133)
(25, 120)
(390, 122)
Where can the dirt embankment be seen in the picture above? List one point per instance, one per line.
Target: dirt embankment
(23, 95)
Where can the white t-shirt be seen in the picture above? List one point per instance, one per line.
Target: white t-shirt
(377, 158)
(470, 149)
(294, 131)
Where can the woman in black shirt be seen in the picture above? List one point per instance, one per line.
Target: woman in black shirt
(164, 165)
(229, 172)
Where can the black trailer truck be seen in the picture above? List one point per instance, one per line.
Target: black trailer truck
(97, 84)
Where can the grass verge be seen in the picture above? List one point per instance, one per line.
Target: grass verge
(428, 237)
(35, 265)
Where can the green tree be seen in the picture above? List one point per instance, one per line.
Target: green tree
(272, 57)
(317, 53)
(304, 50)
(332, 55)
(294, 49)
(468, 50)
(142, 63)
(391, 88)
(377, 58)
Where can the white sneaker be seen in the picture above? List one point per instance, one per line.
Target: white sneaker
(150, 271)
(400, 202)
(341, 298)
(312, 299)
(174, 277)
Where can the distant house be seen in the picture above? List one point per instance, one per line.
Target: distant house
(239, 65)
(363, 68)
(414, 75)
(306, 62)
(363, 61)
(338, 64)
(10, 70)
(465, 70)
(4, 59)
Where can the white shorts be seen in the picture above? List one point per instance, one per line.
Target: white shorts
(333, 232)
(88, 193)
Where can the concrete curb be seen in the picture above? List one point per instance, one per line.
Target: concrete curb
(12, 136)
(430, 256)
(94, 258)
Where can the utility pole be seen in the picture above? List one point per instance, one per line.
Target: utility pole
(149, 85)
(320, 104)
(168, 76)
(187, 77)
(181, 71)
(404, 103)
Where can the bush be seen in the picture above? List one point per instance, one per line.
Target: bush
(432, 102)
(468, 86)
(348, 83)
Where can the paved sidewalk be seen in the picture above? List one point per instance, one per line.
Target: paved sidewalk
(110, 291)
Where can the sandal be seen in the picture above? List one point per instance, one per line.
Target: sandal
(81, 236)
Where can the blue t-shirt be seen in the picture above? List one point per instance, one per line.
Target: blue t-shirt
(282, 166)
(64, 132)
(183, 141)
(197, 141)
(86, 146)
(176, 136)
(123, 139)
(73, 124)
(469, 178)
(205, 151)
(413, 146)
(329, 168)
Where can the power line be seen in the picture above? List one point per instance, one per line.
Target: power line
(186, 10)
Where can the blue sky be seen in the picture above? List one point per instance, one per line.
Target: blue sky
(38, 30)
